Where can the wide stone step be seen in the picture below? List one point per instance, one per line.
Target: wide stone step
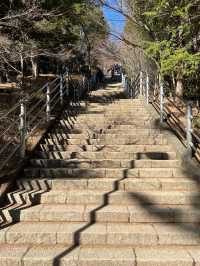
(63, 134)
(105, 172)
(89, 256)
(103, 135)
(103, 163)
(110, 234)
(160, 140)
(157, 184)
(143, 198)
(139, 148)
(120, 123)
(128, 184)
(109, 213)
(106, 155)
(96, 127)
(114, 114)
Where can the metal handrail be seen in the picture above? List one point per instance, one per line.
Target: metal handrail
(46, 99)
(25, 111)
(147, 87)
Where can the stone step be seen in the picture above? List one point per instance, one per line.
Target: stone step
(160, 140)
(96, 127)
(137, 131)
(104, 135)
(105, 172)
(156, 184)
(135, 198)
(120, 122)
(110, 114)
(109, 213)
(97, 256)
(110, 234)
(106, 155)
(63, 134)
(128, 184)
(103, 163)
(139, 148)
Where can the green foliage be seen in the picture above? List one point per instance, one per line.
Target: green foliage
(173, 27)
(51, 27)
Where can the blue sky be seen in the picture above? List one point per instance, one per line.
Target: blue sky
(115, 19)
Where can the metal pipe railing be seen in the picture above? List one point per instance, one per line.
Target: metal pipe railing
(27, 115)
(150, 86)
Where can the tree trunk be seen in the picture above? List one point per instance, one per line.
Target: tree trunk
(34, 64)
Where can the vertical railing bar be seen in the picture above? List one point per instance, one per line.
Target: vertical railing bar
(161, 102)
(189, 118)
(147, 89)
(48, 103)
(141, 83)
(61, 89)
(22, 128)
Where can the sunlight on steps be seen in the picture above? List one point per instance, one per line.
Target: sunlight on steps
(104, 187)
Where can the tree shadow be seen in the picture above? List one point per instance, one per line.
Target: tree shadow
(92, 220)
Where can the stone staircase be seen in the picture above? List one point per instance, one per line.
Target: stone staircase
(104, 187)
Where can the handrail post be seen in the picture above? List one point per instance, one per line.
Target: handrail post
(122, 80)
(61, 89)
(48, 103)
(141, 83)
(22, 129)
(189, 129)
(161, 103)
(131, 87)
(125, 84)
(147, 89)
(67, 83)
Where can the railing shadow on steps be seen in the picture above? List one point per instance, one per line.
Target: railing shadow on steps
(35, 115)
(70, 115)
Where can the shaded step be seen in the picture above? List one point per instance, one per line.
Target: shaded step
(105, 172)
(159, 140)
(117, 123)
(108, 148)
(106, 155)
(103, 163)
(102, 135)
(59, 132)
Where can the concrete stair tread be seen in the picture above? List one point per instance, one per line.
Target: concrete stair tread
(121, 197)
(129, 184)
(164, 184)
(110, 213)
(98, 256)
(100, 136)
(111, 141)
(106, 155)
(118, 234)
(104, 163)
(108, 172)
